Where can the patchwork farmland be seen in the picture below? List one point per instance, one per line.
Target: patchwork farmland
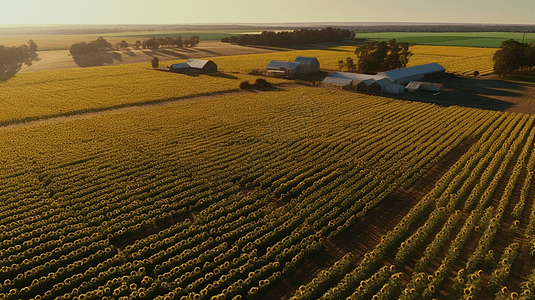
(132, 183)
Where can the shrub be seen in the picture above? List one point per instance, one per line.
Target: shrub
(245, 85)
(261, 82)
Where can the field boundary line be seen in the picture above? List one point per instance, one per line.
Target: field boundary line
(81, 114)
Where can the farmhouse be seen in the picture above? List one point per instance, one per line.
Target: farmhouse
(406, 75)
(309, 65)
(197, 66)
(282, 68)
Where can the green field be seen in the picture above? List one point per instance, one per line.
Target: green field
(466, 39)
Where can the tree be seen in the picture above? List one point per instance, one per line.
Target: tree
(123, 45)
(151, 43)
(186, 43)
(33, 46)
(12, 58)
(155, 61)
(350, 65)
(194, 40)
(376, 57)
(137, 45)
(178, 42)
(513, 56)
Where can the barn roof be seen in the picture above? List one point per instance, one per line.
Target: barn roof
(430, 86)
(355, 76)
(191, 63)
(367, 81)
(383, 81)
(276, 64)
(397, 74)
(305, 60)
(339, 81)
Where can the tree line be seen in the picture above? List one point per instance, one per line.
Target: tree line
(154, 43)
(514, 56)
(87, 49)
(12, 58)
(374, 57)
(288, 38)
(442, 28)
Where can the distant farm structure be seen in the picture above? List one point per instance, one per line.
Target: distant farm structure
(392, 81)
(194, 66)
(302, 67)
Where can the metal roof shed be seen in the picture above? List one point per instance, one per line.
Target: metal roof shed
(406, 75)
(362, 86)
(339, 83)
(195, 66)
(379, 86)
(395, 89)
(309, 65)
(356, 76)
(290, 67)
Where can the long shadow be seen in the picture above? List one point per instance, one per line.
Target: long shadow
(222, 75)
(130, 53)
(468, 92)
(97, 59)
(207, 51)
(190, 74)
(169, 53)
(116, 56)
(526, 77)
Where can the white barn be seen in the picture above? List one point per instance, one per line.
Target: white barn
(309, 65)
(406, 75)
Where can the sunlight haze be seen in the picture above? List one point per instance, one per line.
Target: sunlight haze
(253, 11)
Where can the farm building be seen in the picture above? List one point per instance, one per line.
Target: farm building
(379, 86)
(283, 68)
(355, 76)
(395, 89)
(414, 86)
(362, 85)
(337, 83)
(198, 66)
(406, 75)
(309, 65)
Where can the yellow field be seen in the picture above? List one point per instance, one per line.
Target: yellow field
(457, 60)
(42, 94)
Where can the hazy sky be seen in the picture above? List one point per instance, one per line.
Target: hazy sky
(264, 11)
